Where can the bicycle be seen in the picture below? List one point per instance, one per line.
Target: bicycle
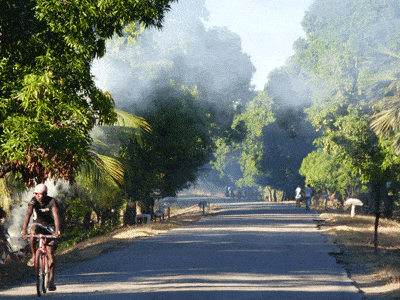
(41, 264)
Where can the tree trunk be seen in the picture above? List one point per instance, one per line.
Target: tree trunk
(86, 220)
(274, 195)
(379, 192)
(270, 194)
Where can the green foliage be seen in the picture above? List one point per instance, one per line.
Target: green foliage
(386, 118)
(257, 115)
(344, 65)
(223, 158)
(100, 197)
(48, 100)
(328, 173)
(348, 54)
(277, 135)
(175, 149)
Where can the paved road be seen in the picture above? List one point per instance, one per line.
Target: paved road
(253, 250)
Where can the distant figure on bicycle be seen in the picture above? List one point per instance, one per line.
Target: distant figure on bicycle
(45, 211)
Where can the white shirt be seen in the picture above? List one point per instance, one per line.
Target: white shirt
(298, 191)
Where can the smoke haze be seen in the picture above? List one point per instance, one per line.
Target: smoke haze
(185, 51)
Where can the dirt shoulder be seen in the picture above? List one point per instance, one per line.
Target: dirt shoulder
(17, 271)
(378, 276)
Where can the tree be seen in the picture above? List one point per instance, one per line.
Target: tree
(340, 55)
(258, 114)
(290, 138)
(283, 155)
(48, 99)
(186, 52)
(326, 173)
(178, 145)
(276, 135)
(386, 118)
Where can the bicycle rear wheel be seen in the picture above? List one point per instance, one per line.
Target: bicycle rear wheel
(40, 273)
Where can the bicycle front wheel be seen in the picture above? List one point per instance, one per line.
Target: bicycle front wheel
(46, 271)
(40, 273)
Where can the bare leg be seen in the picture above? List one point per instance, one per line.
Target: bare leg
(51, 259)
(32, 241)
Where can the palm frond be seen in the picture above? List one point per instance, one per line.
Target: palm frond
(385, 50)
(125, 119)
(113, 167)
(388, 118)
(102, 170)
(137, 125)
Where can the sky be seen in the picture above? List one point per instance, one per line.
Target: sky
(268, 29)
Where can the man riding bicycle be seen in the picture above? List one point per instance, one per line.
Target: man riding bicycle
(45, 221)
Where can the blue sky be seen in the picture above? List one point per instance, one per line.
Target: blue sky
(268, 29)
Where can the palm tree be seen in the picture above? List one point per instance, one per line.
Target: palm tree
(386, 121)
(107, 167)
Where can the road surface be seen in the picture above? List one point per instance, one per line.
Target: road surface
(251, 250)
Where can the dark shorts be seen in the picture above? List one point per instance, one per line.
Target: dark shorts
(46, 230)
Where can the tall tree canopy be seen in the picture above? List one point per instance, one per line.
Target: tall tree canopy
(48, 99)
(343, 56)
(175, 149)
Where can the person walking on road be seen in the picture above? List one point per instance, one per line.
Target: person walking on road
(308, 191)
(46, 220)
(298, 196)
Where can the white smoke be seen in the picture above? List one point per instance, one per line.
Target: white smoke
(191, 54)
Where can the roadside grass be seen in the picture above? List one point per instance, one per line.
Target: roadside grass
(378, 275)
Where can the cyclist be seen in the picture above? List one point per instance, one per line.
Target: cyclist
(44, 210)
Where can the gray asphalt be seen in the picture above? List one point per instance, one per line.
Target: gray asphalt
(253, 250)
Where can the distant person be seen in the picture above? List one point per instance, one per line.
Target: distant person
(308, 192)
(46, 220)
(298, 196)
(229, 192)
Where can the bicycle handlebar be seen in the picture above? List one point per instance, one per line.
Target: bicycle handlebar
(40, 235)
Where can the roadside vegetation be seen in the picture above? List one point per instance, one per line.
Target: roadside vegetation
(377, 275)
